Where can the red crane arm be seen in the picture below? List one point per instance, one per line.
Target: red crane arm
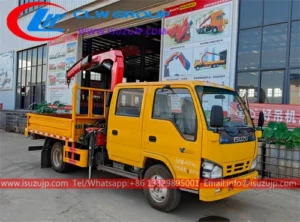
(205, 21)
(171, 58)
(202, 58)
(112, 60)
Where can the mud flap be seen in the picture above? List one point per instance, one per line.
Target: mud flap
(46, 154)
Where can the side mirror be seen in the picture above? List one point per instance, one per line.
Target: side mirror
(216, 116)
(261, 119)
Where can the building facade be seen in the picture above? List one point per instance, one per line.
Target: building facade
(257, 53)
(268, 55)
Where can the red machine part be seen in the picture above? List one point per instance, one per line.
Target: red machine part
(176, 55)
(100, 139)
(205, 20)
(202, 58)
(180, 32)
(114, 56)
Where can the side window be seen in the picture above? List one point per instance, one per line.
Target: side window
(176, 105)
(129, 102)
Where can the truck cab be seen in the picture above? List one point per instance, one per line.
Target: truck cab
(189, 129)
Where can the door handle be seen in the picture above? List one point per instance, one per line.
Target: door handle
(152, 139)
(115, 132)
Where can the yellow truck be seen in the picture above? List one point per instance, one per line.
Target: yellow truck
(159, 130)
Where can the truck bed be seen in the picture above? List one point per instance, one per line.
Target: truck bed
(52, 125)
(67, 127)
(59, 126)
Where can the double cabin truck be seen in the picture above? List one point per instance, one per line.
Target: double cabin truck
(158, 130)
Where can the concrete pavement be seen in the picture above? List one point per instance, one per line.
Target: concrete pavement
(120, 205)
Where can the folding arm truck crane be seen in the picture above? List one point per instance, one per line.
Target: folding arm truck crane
(127, 140)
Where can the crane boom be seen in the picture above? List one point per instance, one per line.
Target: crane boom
(205, 20)
(112, 60)
(176, 55)
(211, 53)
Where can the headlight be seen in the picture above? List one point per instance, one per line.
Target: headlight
(217, 172)
(211, 169)
(254, 163)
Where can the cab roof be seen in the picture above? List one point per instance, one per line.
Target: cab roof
(191, 83)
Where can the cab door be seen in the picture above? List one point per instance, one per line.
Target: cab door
(125, 124)
(174, 130)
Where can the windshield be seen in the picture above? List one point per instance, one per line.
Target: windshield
(234, 110)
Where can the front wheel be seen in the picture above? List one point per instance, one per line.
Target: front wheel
(215, 30)
(161, 198)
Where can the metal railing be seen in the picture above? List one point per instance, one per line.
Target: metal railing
(90, 99)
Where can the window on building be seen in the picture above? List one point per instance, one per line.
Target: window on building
(294, 97)
(251, 93)
(31, 76)
(295, 44)
(296, 10)
(251, 13)
(272, 86)
(276, 11)
(269, 92)
(274, 46)
(277, 92)
(249, 49)
(129, 102)
(22, 2)
(269, 34)
(177, 106)
(95, 76)
(248, 82)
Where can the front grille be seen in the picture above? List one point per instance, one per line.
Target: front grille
(238, 174)
(237, 167)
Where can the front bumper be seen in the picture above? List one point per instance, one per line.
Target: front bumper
(210, 194)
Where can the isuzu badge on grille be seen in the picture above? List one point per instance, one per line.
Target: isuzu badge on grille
(240, 139)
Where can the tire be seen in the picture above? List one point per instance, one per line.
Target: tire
(168, 199)
(57, 159)
(215, 30)
(200, 31)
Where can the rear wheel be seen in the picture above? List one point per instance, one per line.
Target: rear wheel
(163, 199)
(57, 159)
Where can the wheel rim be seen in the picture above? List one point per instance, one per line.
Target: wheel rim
(57, 157)
(158, 194)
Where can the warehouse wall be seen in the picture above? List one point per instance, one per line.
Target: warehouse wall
(9, 42)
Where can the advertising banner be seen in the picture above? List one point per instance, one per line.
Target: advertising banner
(62, 55)
(197, 42)
(289, 114)
(6, 70)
